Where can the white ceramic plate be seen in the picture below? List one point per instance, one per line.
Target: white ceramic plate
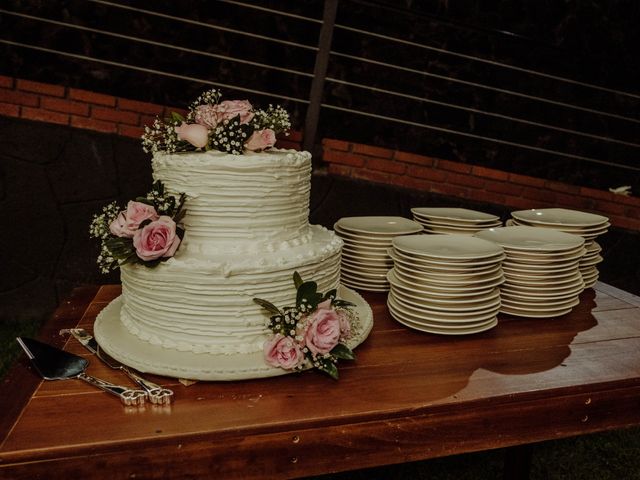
(540, 308)
(437, 289)
(534, 314)
(518, 257)
(446, 276)
(447, 305)
(448, 247)
(431, 294)
(376, 226)
(444, 314)
(442, 319)
(447, 281)
(559, 298)
(560, 217)
(374, 241)
(532, 239)
(364, 280)
(546, 291)
(455, 214)
(422, 299)
(542, 280)
(422, 263)
(491, 323)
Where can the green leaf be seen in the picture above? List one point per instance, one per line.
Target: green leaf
(297, 280)
(343, 352)
(342, 303)
(330, 369)
(176, 117)
(268, 306)
(331, 293)
(308, 291)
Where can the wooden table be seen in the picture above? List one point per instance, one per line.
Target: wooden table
(409, 396)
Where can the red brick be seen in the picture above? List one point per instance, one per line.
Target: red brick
(489, 173)
(45, 115)
(518, 203)
(147, 120)
(6, 82)
(93, 124)
(526, 180)
(130, 131)
(451, 190)
(92, 97)
(466, 180)
(413, 158)
(372, 175)
(453, 166)
(341, 170)
(386, 166)
(140, 107)
(9, 110)
(44, 88)
(344, 158)
(632, 212)
(19, 98)
(594, 193)
(626, 223)
(372, 151)
(562, 187)
(64, 106)
(330, 143)
(413, 183)
(573, 201)
(507, 188)
(113, 115)
(608, 207)
(540, 195)
(426, 173)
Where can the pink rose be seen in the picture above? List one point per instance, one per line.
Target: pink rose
(281, 351)
(156, 239)
(127, 223)
(196, 134)
(323, 329)
(207, 115)
(232, 108)
(261, 139)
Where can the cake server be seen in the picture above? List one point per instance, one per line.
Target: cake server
(155, 393)
(55, 364)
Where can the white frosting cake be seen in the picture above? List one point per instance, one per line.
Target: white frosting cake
(247, 232)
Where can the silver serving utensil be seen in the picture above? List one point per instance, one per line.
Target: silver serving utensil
(155, 393)
(55, 364)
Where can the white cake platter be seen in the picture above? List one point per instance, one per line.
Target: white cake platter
(130, 350)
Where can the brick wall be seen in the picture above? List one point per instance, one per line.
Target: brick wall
(88, 110)
(475, 183)
(105, 113)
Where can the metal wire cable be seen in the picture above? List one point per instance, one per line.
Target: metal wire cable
(480, 137)
(153, 71)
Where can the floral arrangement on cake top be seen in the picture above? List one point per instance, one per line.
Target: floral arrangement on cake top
(146, 232)
(313, 333)
(232, 126)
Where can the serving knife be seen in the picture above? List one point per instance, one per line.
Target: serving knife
(55, 364)
(155, 393)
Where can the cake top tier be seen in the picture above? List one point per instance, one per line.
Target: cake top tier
(230, 126)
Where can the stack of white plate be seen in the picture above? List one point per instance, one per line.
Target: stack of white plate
(365, 261)
(588, 225)
(454, 220)
(446, 284)
(541, 270)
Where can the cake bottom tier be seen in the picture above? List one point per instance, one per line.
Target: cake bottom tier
(206, 306)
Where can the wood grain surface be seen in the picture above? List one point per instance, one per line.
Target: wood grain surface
(408, 396)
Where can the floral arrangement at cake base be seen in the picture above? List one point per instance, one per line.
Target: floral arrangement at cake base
(147, 231)
(311, 334)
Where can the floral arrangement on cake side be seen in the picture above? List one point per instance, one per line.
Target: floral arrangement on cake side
(313, 333)
(147, 231)
(231, 126)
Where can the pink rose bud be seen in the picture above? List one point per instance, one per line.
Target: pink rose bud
(156, 239)
(260, 140)
(322, 330)
(283, 352)
(197, 135)
(127, 222)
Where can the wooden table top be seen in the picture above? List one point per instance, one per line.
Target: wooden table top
(408, 396)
